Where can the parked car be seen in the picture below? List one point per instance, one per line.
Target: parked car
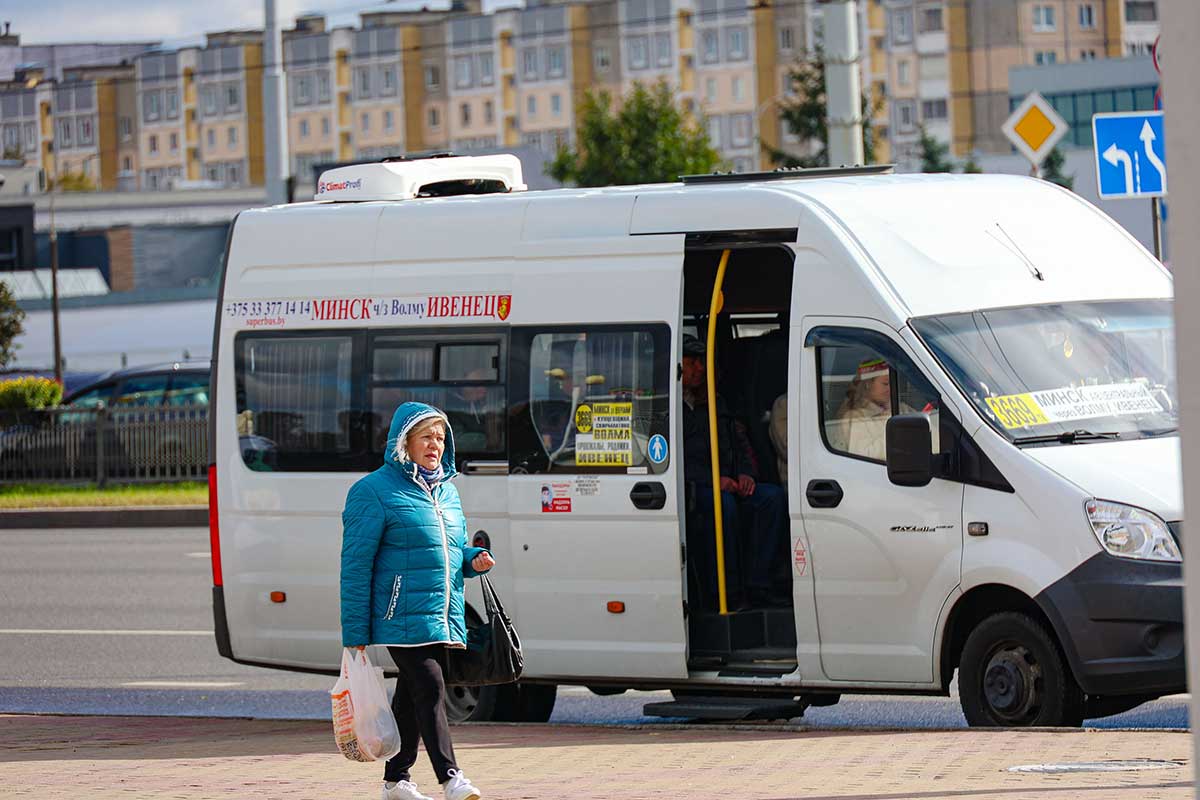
(179, 383)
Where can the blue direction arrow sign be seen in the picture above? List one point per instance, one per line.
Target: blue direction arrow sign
(1131, 157)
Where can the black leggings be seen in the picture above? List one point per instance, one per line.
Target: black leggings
(420, 709)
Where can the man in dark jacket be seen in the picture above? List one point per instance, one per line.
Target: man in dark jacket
(762, 539)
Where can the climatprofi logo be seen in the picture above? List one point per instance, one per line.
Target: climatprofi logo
(337, 186)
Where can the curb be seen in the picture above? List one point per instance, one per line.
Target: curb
(104, 517)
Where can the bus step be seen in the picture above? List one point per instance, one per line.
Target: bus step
(727, 708)
(758, 668)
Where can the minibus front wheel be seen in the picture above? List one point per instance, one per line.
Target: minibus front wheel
(1012, 674)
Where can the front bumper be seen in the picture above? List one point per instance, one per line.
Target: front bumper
(1120, 623)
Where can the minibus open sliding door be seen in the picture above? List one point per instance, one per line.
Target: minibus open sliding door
(595, 452)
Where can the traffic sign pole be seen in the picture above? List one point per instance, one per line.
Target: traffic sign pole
(1157, 228)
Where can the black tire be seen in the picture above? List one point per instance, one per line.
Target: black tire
(1011, 674)
(1106, 706)
(526, 702)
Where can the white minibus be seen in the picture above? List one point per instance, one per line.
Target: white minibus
(958, 391)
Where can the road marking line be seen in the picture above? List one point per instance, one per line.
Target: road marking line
(81, 632)
(185, 684)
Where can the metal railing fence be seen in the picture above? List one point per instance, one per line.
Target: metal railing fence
(104, 445)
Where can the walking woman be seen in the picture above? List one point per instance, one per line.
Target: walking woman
(404, 557)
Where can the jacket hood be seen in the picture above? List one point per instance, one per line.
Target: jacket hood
(404, 420)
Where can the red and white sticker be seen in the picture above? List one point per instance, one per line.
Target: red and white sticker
(556, 498)
(800, 557)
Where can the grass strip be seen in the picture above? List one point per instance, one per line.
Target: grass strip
(26, 496)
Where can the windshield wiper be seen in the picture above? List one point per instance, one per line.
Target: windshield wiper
(1067, 437)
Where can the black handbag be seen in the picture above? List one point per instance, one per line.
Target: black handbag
(493, 652)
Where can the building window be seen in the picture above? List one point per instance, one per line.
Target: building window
(462, 72)
(153, 144)
(1087, 55)
(172, 104)
(233, 97)
(126, 164)
(739, 91)
(325, 127)
(740, 135)
(602, 59)
(304, 129)
(125, 127)
(714, 131)
(710, 90)
(489, 112)
(151, 106)
(737, 44)
(901, 27)
(1087, 17)
(639, 58)
(65, 132)
(710, 42)
(389, 121)
(303, 86)
(786, 38)
(464, 113)
(231, 136)
(486, 73)
(1044, 19)
(362, 83)
(529, 64)
(1141, 11)
(1045, 57)
(31, 137)
(433, 76)
(322, 87)
(173, 142)
(209, 97)
(905, 114)
(365, 122)
(84, 128)
(662, 49)
(933, 109)
(931, 20)
(556, 105)
(435, 118)
(388, 80)
(531, 106)
(904, 72)
(233, 175)
(555, 62)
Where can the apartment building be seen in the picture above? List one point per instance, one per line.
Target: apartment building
(548, 86)
(1141, 26)
(93, 107)
(54, 59)
(230, 114)
(918, 77)
(165, 126)
(986, 40)
(25, 118)
(316, 62)
(876, 76)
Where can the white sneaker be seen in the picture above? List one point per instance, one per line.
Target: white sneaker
(403, 790)
(459, 788)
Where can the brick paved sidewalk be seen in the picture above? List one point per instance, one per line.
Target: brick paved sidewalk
(149, 757)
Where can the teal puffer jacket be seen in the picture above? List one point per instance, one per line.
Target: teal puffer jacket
(404, 549)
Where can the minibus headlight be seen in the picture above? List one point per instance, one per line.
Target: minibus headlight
(1131, 532)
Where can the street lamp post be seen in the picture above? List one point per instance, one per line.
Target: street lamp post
(53, 188)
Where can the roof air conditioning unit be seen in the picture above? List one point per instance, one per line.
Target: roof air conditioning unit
(442, 175)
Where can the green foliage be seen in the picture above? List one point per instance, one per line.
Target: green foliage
(935, 156)
(21, 394)
(11, 319)
(805, 115)
(1052, 170)
(12, 153)
(73, 182)
(649, 139)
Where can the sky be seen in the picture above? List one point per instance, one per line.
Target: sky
(171, 21)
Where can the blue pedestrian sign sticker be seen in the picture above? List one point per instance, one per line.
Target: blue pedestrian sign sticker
(657, 448)
(1131, 155)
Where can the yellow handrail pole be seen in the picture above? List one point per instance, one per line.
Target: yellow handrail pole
(711, 377)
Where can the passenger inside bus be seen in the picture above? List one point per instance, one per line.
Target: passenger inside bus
(754, 515)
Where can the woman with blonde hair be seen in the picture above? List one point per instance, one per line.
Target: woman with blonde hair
(860, 425)
(404, 558)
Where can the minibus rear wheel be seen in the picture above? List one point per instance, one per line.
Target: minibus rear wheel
(1011, 674)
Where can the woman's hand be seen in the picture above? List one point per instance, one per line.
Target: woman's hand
(483, 562)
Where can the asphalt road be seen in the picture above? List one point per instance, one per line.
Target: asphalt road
(106, 621)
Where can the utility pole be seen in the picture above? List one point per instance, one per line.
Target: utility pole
(1180, 21)
(843, 85)
(53, 187)
(274, 109)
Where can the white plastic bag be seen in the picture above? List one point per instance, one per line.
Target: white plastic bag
(363, 724)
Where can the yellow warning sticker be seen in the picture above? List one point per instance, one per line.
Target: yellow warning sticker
(1017, 410)
(583, 418)
(608, 440)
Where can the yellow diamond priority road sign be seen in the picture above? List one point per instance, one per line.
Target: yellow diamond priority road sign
(1035, 128)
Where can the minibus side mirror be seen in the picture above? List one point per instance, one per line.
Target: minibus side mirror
(909, 450)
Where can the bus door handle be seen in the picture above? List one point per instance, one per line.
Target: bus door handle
(648, 494)
(824, 494)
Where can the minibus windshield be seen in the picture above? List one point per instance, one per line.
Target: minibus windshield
(1064, 374)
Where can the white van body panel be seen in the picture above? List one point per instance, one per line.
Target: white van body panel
(1143, 473)
(717, 208)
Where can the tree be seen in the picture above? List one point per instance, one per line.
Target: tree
(971, 166)
(805, 116)
(11, 317)
(935, 156)
(1052, 170)
(72, 182)
(649, 139)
